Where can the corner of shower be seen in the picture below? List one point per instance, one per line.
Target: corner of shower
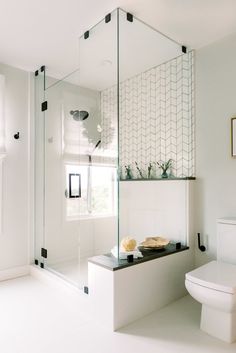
(109, 123)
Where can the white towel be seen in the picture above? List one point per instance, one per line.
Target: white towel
(123, 254)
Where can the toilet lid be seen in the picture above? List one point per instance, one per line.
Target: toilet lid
(216, 275)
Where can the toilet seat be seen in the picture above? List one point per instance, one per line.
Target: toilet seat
(215, 275)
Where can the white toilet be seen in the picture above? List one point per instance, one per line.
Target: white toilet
(214, 285)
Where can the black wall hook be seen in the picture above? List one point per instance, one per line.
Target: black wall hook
(200, 247)
(17, 136)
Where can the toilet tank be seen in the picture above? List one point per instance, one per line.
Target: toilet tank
(226, 240)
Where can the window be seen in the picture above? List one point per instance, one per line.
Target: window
(96, 191)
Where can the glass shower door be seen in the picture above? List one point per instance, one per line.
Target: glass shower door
(80, 158)
(63, 181)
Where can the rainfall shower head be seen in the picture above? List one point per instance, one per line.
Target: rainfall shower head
(79, 115)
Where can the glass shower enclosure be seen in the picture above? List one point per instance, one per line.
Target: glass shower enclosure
(93, 126)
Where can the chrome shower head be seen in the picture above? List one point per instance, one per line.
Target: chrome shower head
(79, 115)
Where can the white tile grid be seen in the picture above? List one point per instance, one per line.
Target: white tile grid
(156, 117)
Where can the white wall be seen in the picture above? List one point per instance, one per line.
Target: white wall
(215, 169)
(14, 240)
(154, 208)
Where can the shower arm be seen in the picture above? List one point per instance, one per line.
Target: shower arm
(89, 180)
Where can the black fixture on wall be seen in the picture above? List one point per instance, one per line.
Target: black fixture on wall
(17, 136)
(200, 247)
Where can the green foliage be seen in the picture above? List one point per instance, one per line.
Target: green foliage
(150, 167)
(128, 173)
(165, 165)
(139, 171)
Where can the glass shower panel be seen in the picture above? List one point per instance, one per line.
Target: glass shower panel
(98, 73)
(154, 128)
(81, 153)
(39, 166)
(142, 47)
(60, 240)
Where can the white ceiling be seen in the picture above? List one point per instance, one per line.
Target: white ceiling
(45, 32)
(140, 47)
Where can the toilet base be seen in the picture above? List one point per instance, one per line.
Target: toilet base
(219, 324)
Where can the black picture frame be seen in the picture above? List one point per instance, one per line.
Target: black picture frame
(74, 192)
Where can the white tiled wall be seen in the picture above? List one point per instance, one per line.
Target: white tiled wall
(156, 119)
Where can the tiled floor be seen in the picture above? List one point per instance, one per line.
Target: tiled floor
(40, 318)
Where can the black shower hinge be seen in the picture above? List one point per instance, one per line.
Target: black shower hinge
(86, 290)
(44, 253)
(129, 17)
(86, 35)
(178, 245)
(184, 49)
(36, 73)
(42, 68)
(108, 18)
(36, 262)
(41, 264)
(44, 106)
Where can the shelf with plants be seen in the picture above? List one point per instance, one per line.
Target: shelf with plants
(159, 179)
(154, 171)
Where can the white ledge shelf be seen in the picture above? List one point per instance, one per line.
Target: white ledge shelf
(159, 179)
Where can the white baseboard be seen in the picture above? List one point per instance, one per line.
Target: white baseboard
(14, 272)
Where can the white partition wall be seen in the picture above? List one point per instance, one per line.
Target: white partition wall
(154, 208)
(121, 296)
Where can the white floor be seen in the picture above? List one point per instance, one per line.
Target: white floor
(40, 318)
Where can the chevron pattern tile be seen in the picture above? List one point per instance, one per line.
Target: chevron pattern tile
(156, 121)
